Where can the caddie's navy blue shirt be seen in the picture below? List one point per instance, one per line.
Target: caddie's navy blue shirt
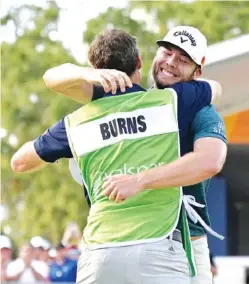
(192, 97)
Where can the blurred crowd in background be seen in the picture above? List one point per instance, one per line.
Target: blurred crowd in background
(38, 260)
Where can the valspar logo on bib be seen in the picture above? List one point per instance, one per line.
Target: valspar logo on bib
(116, 127)
(119, 126)
(124, 170)
(132, 170)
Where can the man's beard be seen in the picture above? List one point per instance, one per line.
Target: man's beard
(158, 84)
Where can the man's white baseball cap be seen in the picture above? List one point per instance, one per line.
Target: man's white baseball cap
(190, 39)
(5, 242)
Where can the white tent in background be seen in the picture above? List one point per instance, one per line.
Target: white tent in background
(228, 63)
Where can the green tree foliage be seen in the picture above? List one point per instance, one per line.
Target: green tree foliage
(40, 203)
(218, 20)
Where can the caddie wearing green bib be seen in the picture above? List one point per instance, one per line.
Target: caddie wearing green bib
(127, 134)
(133, 241)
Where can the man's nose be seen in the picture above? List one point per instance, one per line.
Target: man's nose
(172, 60)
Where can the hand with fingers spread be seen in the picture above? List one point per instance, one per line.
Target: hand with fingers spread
(120, 187)
(112, 79)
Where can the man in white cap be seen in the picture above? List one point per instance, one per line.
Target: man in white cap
(25, 269)
(5, 255)
(40, 247)
(180, 56)
(181, 45)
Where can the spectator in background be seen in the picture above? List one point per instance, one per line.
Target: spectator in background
(63, 269)
(72, 240)
(213, 265)
(41, 247)
(25, 269)
(51, 255)
(5, 255)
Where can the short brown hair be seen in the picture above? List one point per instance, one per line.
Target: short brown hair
(114, 49)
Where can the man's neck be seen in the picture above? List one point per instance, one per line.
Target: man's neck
(136, 77)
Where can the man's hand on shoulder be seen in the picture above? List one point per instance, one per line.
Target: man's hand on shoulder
(110, 79)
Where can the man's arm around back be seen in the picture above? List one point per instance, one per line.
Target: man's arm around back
(205, 161)
(76, 82)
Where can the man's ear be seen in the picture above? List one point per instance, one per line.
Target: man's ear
(197, 73)
(139, 62)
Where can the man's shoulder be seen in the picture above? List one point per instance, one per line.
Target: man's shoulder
(194, 86)
(209, 112)
(104, 103)
(98, 91)
(208, 116)
(191, 83)
(208, 123)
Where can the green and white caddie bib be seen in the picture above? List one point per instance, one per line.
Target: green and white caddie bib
(126, 135)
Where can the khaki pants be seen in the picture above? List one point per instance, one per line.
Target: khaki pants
(162, 262)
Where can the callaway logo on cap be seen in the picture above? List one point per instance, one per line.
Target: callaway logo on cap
(190, 39)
